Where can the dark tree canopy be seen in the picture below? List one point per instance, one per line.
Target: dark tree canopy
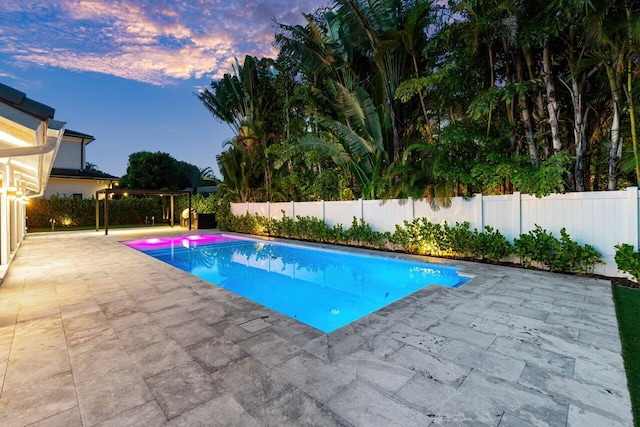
(153, 171)
(424, 98)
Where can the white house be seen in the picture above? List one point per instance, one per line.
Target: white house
(70, 176)
(29, 141)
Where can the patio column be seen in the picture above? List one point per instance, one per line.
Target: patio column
(13, 220)
(4, 217)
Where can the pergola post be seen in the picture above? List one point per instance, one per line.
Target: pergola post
(172, 220)
(97, 212)
(106, 213)
(109, 191)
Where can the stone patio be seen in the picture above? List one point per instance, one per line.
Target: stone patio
(95, 333)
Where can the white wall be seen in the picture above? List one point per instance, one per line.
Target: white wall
(602, 219)
(69, 155)
(70, 186)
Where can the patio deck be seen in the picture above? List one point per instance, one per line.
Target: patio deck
(95, 333)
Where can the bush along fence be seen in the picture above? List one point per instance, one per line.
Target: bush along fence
(602, 219)
(71, 212)
(537, 248)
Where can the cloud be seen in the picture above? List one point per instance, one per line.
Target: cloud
(153, 41)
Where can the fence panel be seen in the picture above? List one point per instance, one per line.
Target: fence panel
(602, 219)
(461, 210)
(498, 213)
(280, 209)
(596, 218)
(383, 216)
(311, 209)
(342, 212)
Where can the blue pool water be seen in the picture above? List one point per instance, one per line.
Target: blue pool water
(325, 289)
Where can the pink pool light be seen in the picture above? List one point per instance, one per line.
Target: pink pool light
(168, 242)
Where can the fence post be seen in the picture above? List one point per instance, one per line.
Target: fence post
(293, 210)
(477, 198)
(413, 209)
(361, 209)
(517, 214)
(323, 213)
(632, 216)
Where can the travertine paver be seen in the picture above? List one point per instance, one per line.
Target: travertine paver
(95, 333)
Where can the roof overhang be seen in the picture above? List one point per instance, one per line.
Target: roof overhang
(28, 146)
(19, 129)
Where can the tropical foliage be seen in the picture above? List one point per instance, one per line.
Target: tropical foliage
(398, 98)
(628, 260)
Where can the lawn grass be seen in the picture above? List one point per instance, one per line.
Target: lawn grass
(627, 303)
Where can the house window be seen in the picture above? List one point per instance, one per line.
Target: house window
(77, 195)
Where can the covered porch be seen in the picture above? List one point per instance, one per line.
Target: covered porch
(29, 141)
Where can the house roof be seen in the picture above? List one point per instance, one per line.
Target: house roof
(81, 174)
(19, 101)
(76, 134)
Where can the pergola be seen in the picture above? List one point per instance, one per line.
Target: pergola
(123, 191)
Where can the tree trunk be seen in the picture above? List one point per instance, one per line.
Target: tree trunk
(539, 110)
(526, 119)
(492, 83)
(632, 113)
(632, 119)
(427, 123)
(579, 132)
(615, 152)
(552, 103)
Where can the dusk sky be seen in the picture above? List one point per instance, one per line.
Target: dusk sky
(126, 71)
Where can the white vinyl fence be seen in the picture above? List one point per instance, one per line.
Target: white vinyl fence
(602, 219)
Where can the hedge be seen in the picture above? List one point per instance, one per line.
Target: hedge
(72, 212)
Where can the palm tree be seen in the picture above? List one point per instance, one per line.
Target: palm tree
(354, 142)
(607, 32)
(411, 36)
(195, 175)
(368, 22)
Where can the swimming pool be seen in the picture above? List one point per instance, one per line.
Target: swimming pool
(326, 289)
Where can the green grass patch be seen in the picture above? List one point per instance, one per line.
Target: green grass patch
(627, 303)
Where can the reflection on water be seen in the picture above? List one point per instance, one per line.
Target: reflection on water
(326, 289)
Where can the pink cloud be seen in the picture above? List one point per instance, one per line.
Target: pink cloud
(154, 41)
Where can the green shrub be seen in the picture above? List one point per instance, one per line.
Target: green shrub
(459, 239)
(363, 235)
(490, 245)
(422, 237)
(555, 254)
(628, 260)
(425, 238)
